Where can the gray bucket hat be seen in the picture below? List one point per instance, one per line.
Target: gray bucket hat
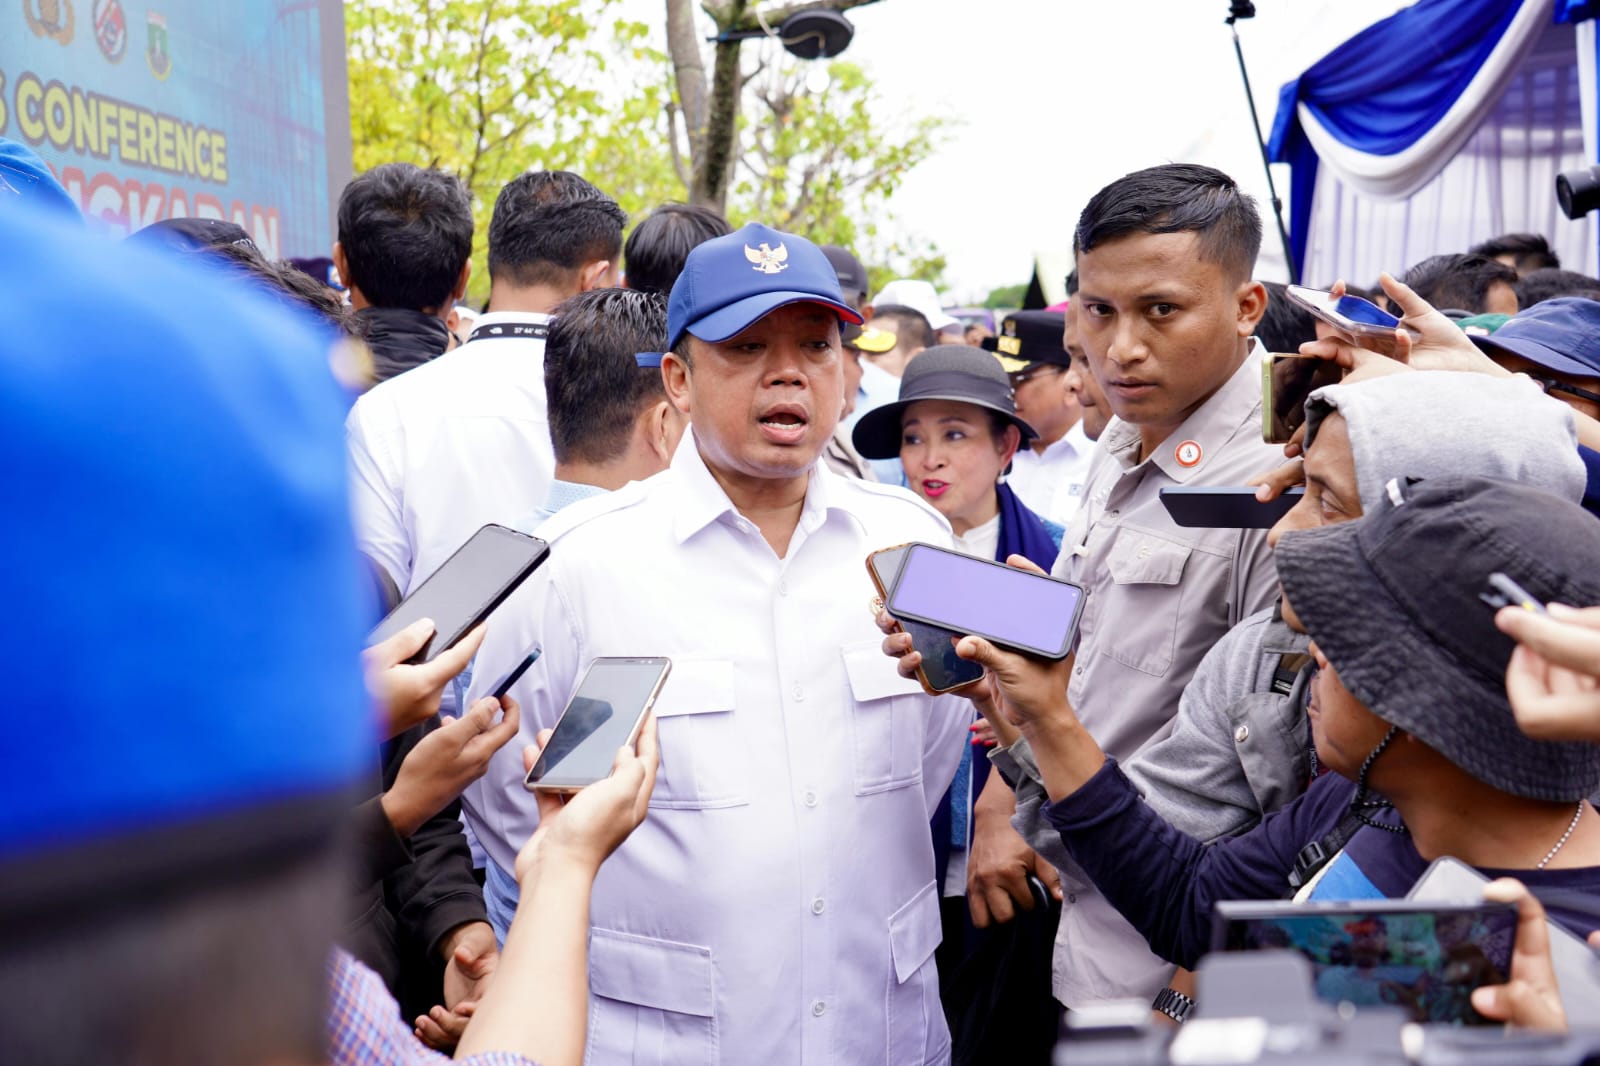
(955, 372)
(1393, 602)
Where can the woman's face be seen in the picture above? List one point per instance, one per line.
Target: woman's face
(1343, 729)
(953, 457)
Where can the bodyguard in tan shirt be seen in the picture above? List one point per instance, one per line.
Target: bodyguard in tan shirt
(1165, 311)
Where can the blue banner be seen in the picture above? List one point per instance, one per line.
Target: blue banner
(190, 108)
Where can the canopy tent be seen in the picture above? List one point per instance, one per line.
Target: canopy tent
(1439, 127)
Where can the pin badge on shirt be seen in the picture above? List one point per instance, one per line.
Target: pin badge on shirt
(1188, 453)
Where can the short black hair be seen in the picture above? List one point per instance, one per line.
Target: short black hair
(1458, 282)
(284, 282)
(1286, 325)
(1530, 250)
(593, 386)
(1177, 198)
(1540, 285)
(1072, 282)
(910, 324)
(549, 223)
(406, 233)
(660, 244)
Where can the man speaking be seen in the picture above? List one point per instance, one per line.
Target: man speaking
(778, 905)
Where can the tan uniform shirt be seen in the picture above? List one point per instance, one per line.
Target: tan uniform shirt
(1160, 595)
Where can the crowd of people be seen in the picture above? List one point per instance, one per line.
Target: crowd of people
(245, 837)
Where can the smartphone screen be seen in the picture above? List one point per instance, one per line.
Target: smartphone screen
(1289, 381)
(603, 715)
(1425, 960)
(944, 669)
(1350, 313)
(1364, 312)
(1021, 610)
(1226, 506)
(466, 588)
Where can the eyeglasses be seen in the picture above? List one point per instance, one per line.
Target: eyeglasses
(1022, 377)
(1550, 385)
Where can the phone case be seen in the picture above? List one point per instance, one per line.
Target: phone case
(633, 734)
(883, 598)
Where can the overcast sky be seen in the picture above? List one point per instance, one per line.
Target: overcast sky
(1057, 97)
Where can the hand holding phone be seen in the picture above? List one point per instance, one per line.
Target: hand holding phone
(588, 825)
(941, 669)
(1362, 322)
(466, 588)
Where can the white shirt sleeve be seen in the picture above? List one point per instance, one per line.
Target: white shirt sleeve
(375, 497)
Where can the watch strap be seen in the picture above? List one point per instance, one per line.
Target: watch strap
(1173, 1004)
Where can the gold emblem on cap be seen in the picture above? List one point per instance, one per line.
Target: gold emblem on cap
(1009, 345)
(768, 260)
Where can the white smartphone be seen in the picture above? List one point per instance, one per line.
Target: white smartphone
(604, 714)
(1577, 967)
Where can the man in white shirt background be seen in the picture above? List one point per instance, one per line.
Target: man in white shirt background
(464, 440)
(1050, 472)
(778, 906)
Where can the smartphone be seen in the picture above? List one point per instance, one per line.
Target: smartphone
(516, 673)
(1286, 382)
(1017, 609)
(466, 588)
(1423, 958)
(604, 714)
(1226, 506)
(1360, 320)
(1577, 968)
(942, 670)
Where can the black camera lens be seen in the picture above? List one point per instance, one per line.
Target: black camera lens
(1578, 191)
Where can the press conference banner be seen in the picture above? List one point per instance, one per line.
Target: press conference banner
(235, 110)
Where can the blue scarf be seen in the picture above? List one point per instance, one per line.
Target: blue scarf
(1024, 533)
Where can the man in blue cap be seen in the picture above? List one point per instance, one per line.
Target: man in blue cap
(779, 905)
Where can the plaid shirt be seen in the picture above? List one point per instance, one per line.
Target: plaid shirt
(365, 1027)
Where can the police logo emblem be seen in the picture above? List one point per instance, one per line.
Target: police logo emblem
(1189, 453)
(158, 51)
(111, 29)
(768, 260)
(50, 18)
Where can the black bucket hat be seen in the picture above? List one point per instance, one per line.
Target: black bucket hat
(945, 372)
(1393, 602)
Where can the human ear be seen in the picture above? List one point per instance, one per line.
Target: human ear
(1007, 444)
(675, 379)
(596, 275)
(1251, 298)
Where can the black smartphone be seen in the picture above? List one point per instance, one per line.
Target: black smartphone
(1226, 506)
(516, 673)
(942, 669)
(603, 715)
(1017, 609)
(1286, 382)
(466, 588)
(1423, 957)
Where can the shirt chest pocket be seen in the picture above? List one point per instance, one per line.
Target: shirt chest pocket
(1139, 628)
(654, 1002)
(700, 763)
(887, 720)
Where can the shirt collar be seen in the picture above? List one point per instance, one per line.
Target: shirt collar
(503, 318)
(1209, 427)
(700, 500)
(565, 493)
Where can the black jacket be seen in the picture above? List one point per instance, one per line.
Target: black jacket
(409, 894)
(401, 338)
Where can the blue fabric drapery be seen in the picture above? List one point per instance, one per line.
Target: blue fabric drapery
(1383, 89)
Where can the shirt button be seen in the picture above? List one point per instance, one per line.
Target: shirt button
(799, 694)
(818, 1009)
(783, 588)
(810, 798)
(1072, 897)
(1241, 734)
(818, 905)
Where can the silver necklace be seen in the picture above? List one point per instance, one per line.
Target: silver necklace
(1564, 836)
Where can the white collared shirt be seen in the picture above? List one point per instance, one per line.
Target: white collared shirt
(778, 905)
(446, 447)
(1051, 483)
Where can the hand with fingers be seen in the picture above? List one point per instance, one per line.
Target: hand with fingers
(1529, 998)
(589, 825)
(409, 695)
(1553, 680)
(447, 760)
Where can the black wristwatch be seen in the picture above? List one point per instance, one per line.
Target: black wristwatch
(1173, 1004)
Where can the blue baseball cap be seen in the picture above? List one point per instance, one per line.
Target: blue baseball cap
(730, 282)
(1562, 335)
(187, 609)
(26, 183)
